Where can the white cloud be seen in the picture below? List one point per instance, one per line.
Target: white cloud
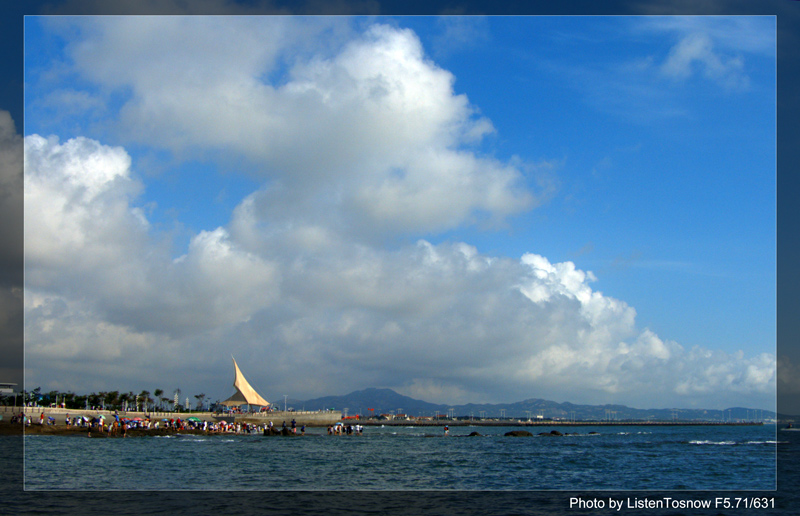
(356, 143)
(76, 209)
(84, 239)
(371, 125)
(424, 319)
(696, 51)
(753, 35)
(718, 48)
(442, 322)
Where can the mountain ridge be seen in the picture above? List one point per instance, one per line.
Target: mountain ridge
(387, 401)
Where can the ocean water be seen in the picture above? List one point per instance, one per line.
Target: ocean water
(58, 499)
(642, 458)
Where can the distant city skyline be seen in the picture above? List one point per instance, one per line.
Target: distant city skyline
(459, 208)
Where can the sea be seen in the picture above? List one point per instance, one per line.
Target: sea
(655, 470)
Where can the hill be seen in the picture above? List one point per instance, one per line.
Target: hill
(387, 401)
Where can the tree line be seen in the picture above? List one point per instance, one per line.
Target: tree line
(144, 401)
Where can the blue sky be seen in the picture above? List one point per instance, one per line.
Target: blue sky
(384, 221)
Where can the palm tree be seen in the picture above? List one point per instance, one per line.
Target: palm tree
(112, 399)
(200, 397)
(123, 400)
(145, 398)
(157, 393)
(94, 400)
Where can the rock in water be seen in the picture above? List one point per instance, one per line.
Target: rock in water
(268, 432)
(518, 433)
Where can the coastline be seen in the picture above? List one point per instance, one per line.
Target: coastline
(307, 418)
(548, 423)
(6, 428)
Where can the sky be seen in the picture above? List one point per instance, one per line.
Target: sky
(462, 209)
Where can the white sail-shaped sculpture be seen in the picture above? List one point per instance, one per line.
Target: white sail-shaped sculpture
(245, 394)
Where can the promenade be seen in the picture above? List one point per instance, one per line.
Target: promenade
(308, 418)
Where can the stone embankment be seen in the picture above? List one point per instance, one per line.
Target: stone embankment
(308, 418)
(545, 423)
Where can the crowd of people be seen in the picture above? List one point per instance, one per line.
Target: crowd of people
(120, 425)
(340, 429)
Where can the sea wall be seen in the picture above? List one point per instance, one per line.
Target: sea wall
(308, 418)
(322, 418)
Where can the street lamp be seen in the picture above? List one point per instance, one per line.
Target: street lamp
(284, 401)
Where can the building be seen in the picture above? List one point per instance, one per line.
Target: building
(245, 394)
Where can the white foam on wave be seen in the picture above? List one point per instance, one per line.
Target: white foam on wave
(717, 443)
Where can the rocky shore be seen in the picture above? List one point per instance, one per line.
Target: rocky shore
(307, 418)
(37, 429)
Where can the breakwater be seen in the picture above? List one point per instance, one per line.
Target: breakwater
(308, 418)
(328, 417)
(547, 423)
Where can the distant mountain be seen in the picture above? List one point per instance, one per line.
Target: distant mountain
(382, 401)
(385, 401)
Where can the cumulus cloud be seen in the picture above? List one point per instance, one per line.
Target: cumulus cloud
(371, 124)
(85, 239)
(433, 320)
(356, 143)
